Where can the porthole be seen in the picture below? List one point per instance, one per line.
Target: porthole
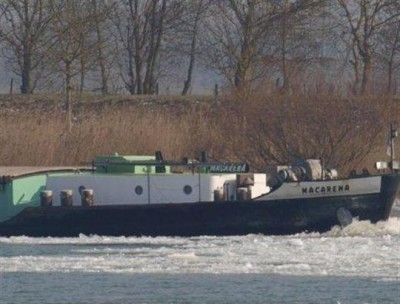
(139, 190)
(187, 189)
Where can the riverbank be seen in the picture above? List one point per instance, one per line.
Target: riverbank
(346, 132)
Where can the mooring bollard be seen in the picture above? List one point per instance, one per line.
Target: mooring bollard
(87, 197)
(46, 198)
(66, 198)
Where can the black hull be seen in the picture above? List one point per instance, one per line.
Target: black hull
(277, 217)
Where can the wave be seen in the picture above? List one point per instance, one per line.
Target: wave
(368, 229)
(360, 249)
(396, 208)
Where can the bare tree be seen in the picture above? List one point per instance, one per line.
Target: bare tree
(364, 18)
(388, 54)
(132, 21)
(157, 19)
(235, 32)
(294, 40)
(196, 11)
(73, 45)
(238, 35)
(128, 23)
(141, 28)
(23, 30)
(102, 12)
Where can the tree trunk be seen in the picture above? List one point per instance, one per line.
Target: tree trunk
(367, 71)
(68, 89)
(285, 84)
(390, 77)
(82, 75)
(247, 50)
(356, 67)
(100, 58)
(138, 52)
(26, 72)
(242, 65)
(157, 29)
(102, 65)
(150, 56)
(391, 62)
(138, 67)
(188, 81)
(131, 74)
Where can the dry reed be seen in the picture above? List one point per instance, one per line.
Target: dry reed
(258, 129)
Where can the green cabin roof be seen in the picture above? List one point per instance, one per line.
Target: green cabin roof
(126, 164)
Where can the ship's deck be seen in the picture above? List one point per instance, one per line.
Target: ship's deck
(15, 171)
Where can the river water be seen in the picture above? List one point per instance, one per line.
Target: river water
(357, 264)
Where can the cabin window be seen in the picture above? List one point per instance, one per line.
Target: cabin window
(187, 189)
(139, 190)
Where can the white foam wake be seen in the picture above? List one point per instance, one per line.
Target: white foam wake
(361, 249)
(366, 228)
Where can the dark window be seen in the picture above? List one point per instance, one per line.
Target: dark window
(139, 190)
(187, 189)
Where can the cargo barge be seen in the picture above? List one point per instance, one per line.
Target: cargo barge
(148, 196)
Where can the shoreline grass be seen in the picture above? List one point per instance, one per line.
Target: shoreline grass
(258, 129)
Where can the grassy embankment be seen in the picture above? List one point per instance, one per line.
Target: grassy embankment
(345, 132)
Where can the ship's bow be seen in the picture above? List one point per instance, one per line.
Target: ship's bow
(389, 190)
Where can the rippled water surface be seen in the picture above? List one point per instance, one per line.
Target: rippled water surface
(357, 264)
